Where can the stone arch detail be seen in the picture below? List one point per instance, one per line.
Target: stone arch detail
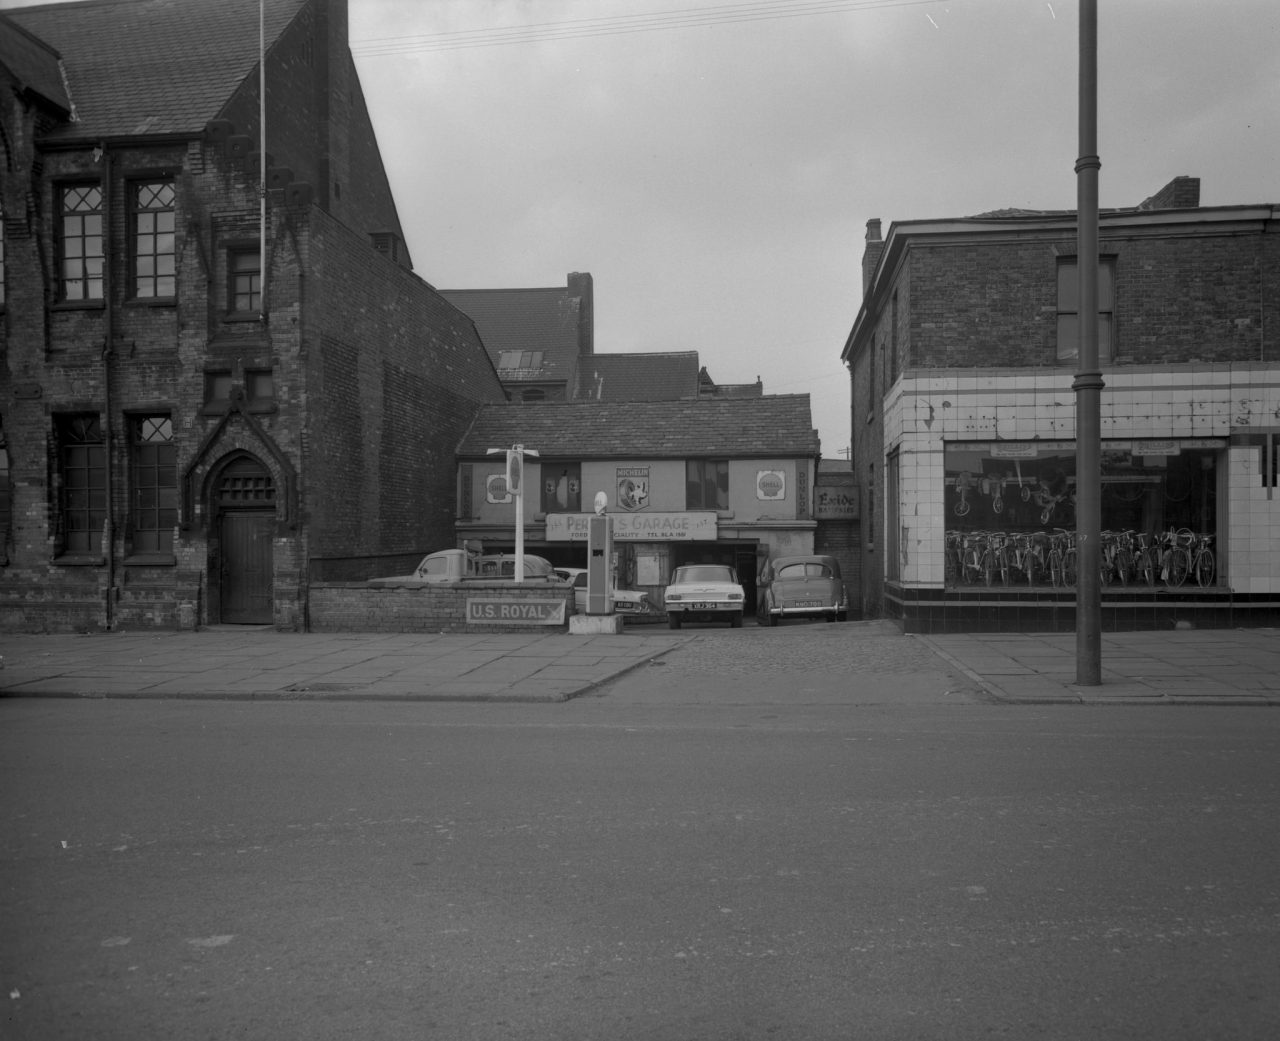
(236, 435)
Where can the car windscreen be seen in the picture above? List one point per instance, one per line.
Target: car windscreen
(704, 573)
(808, 569)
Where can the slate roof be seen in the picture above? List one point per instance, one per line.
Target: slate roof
(32, 64)
(638, 377)
(774, 425)
(543, 320)
(152, 66)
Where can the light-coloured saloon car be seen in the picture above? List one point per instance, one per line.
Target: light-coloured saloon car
(802, 587)
(625, 601)
(704, 593)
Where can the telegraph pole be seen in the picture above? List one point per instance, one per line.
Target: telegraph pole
(1088, 382)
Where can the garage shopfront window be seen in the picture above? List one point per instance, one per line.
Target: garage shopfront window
(1024, 488)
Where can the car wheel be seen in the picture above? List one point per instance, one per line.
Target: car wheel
(773, 619)
(842, 617)
(736, 621)
(673, 621)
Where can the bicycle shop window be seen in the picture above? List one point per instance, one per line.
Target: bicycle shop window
(1023, 487)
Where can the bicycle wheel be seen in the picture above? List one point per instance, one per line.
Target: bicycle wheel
(1147, 568)
(989, 567)
(1069, 566)
(1179, 565)
(1056, 576)
(1204, 567)
(1124, 566)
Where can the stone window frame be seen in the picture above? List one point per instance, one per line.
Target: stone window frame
(1066, 273)
(78, 518)
(698, 477)
(244, 259)
(78, 228)
(146, 243)
(153, 497)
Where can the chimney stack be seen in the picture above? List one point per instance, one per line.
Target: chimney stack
(871, 255)
(1182, 193)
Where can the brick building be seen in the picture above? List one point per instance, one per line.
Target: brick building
(712, 480)
(962, 358)
(210, 396)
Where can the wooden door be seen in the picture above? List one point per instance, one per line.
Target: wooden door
(246, 566)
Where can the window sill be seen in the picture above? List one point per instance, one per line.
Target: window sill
(217, 408)
(78, 305)
(242, 317)
(79, 560)
(150, 560)
(152, 301)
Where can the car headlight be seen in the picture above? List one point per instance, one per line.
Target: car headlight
(672, 596)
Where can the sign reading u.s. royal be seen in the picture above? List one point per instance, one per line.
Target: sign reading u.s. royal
(499, 611)
(695, 526)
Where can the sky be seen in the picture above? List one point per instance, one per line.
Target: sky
(713, 164)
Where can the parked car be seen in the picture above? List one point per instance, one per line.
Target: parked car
(803, 587)
(456, 565)
(704, 593)
(625, 601)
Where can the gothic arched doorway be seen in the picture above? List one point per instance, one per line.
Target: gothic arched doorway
(243, 500)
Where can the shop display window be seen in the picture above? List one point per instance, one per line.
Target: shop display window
(1019, 498)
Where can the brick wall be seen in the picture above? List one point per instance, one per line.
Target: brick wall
(355, 607)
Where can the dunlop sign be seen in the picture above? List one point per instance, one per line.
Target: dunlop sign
(499, 611)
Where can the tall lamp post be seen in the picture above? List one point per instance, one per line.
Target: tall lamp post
(515, 485)
(1088, 382)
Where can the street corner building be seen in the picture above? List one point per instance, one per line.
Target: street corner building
(962, 359)
(220, 379)
(720, 479)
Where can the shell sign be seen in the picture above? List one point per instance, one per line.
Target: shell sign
(771, 485)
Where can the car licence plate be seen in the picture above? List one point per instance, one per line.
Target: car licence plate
(705, 607)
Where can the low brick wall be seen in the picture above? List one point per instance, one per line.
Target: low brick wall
(355, 607)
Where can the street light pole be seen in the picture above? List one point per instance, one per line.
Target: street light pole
(1088, 382)
(515, 487)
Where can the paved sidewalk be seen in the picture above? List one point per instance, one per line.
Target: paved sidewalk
(1206, 666)
(236, 662)
(1198, 666)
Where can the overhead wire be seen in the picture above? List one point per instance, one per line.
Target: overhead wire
(615, 25)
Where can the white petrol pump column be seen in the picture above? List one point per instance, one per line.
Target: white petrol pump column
(600, 559)
(515, 486)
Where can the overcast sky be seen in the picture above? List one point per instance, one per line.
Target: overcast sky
(713, 163)
(716, 178)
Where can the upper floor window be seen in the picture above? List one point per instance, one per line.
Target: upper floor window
(561, 487)
(244, 281)
(153, 239)
(81, 275)
(1069, 309)
(154, 485)
(519, 359)
(706, 484)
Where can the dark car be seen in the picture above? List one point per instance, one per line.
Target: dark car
(803, 587)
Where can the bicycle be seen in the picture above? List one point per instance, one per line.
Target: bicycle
(1203, 565)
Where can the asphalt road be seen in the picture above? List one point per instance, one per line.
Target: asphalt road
(753, 838)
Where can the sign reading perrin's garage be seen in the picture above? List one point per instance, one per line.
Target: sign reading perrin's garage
(496, 610)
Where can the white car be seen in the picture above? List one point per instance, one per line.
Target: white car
(625, 601)
(704, 593)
